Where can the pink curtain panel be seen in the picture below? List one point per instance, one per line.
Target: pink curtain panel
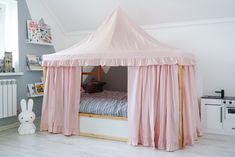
(191, 119)
(153, 106)
(61, 100)
(153, 102)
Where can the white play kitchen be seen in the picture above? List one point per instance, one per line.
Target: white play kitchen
(218, 114)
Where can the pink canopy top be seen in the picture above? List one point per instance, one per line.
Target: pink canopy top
(118, 42)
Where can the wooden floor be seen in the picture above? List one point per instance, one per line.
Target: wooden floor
(55, 145)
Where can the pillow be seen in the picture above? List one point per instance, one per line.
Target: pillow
(93, 86)
(82, 90)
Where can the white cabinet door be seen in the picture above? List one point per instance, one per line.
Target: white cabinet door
(213, 116)
(229, 120)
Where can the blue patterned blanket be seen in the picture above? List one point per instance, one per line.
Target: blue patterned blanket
(111, 103)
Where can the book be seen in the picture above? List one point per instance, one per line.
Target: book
(31, 89)
(39, 88)
(38, 32)
(33, 31)
(34, 62)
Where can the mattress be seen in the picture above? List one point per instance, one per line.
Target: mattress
(111, 103)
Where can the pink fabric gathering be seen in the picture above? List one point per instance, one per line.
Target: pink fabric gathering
(153, 89)
(153, 106)
(191, 120)
(61, 100)
(118, 42)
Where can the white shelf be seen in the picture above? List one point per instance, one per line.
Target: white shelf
(39, 43)
(35, 70)
(34, 96)
(12, 74)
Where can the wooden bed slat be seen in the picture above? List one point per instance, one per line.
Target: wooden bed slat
(97, 73)
(102, 116)
(44, 74)
(121, 139)
(89, 73)
(181, 139)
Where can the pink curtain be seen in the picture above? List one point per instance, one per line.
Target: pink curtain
(191, 119)
(153, 101)
(61, 100)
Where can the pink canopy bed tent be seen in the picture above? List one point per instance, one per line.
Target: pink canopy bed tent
(162, 102)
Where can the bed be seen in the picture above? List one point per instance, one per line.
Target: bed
(104, 114)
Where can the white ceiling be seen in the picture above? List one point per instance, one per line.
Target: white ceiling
(78, 15)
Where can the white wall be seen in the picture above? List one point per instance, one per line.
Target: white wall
(214, 48)
(212, 42)
(39, 10)
(77, 15)
(73, 37)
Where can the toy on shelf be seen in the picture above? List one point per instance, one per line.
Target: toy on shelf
(6, 63)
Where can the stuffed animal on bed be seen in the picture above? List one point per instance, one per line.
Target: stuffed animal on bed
(26, 118)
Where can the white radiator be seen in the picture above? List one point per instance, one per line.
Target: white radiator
(8, 104)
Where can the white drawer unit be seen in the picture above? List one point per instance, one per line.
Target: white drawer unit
(218, 115)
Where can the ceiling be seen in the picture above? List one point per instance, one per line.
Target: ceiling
(79, 15)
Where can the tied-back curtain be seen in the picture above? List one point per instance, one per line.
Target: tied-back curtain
(191, 119)
(61, 100)
(153, 106)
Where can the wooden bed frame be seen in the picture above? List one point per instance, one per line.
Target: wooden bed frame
(97, 73)
(116, 128)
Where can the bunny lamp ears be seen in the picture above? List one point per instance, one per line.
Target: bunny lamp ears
(30, 105)
(23, 105)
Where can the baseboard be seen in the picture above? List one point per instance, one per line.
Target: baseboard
(9, 126)
(16, 124)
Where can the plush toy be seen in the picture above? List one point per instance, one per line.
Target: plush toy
(26, 118)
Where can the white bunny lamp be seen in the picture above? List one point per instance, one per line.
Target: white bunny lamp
(26, 118)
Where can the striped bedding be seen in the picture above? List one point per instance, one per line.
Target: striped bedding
(111, 103)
